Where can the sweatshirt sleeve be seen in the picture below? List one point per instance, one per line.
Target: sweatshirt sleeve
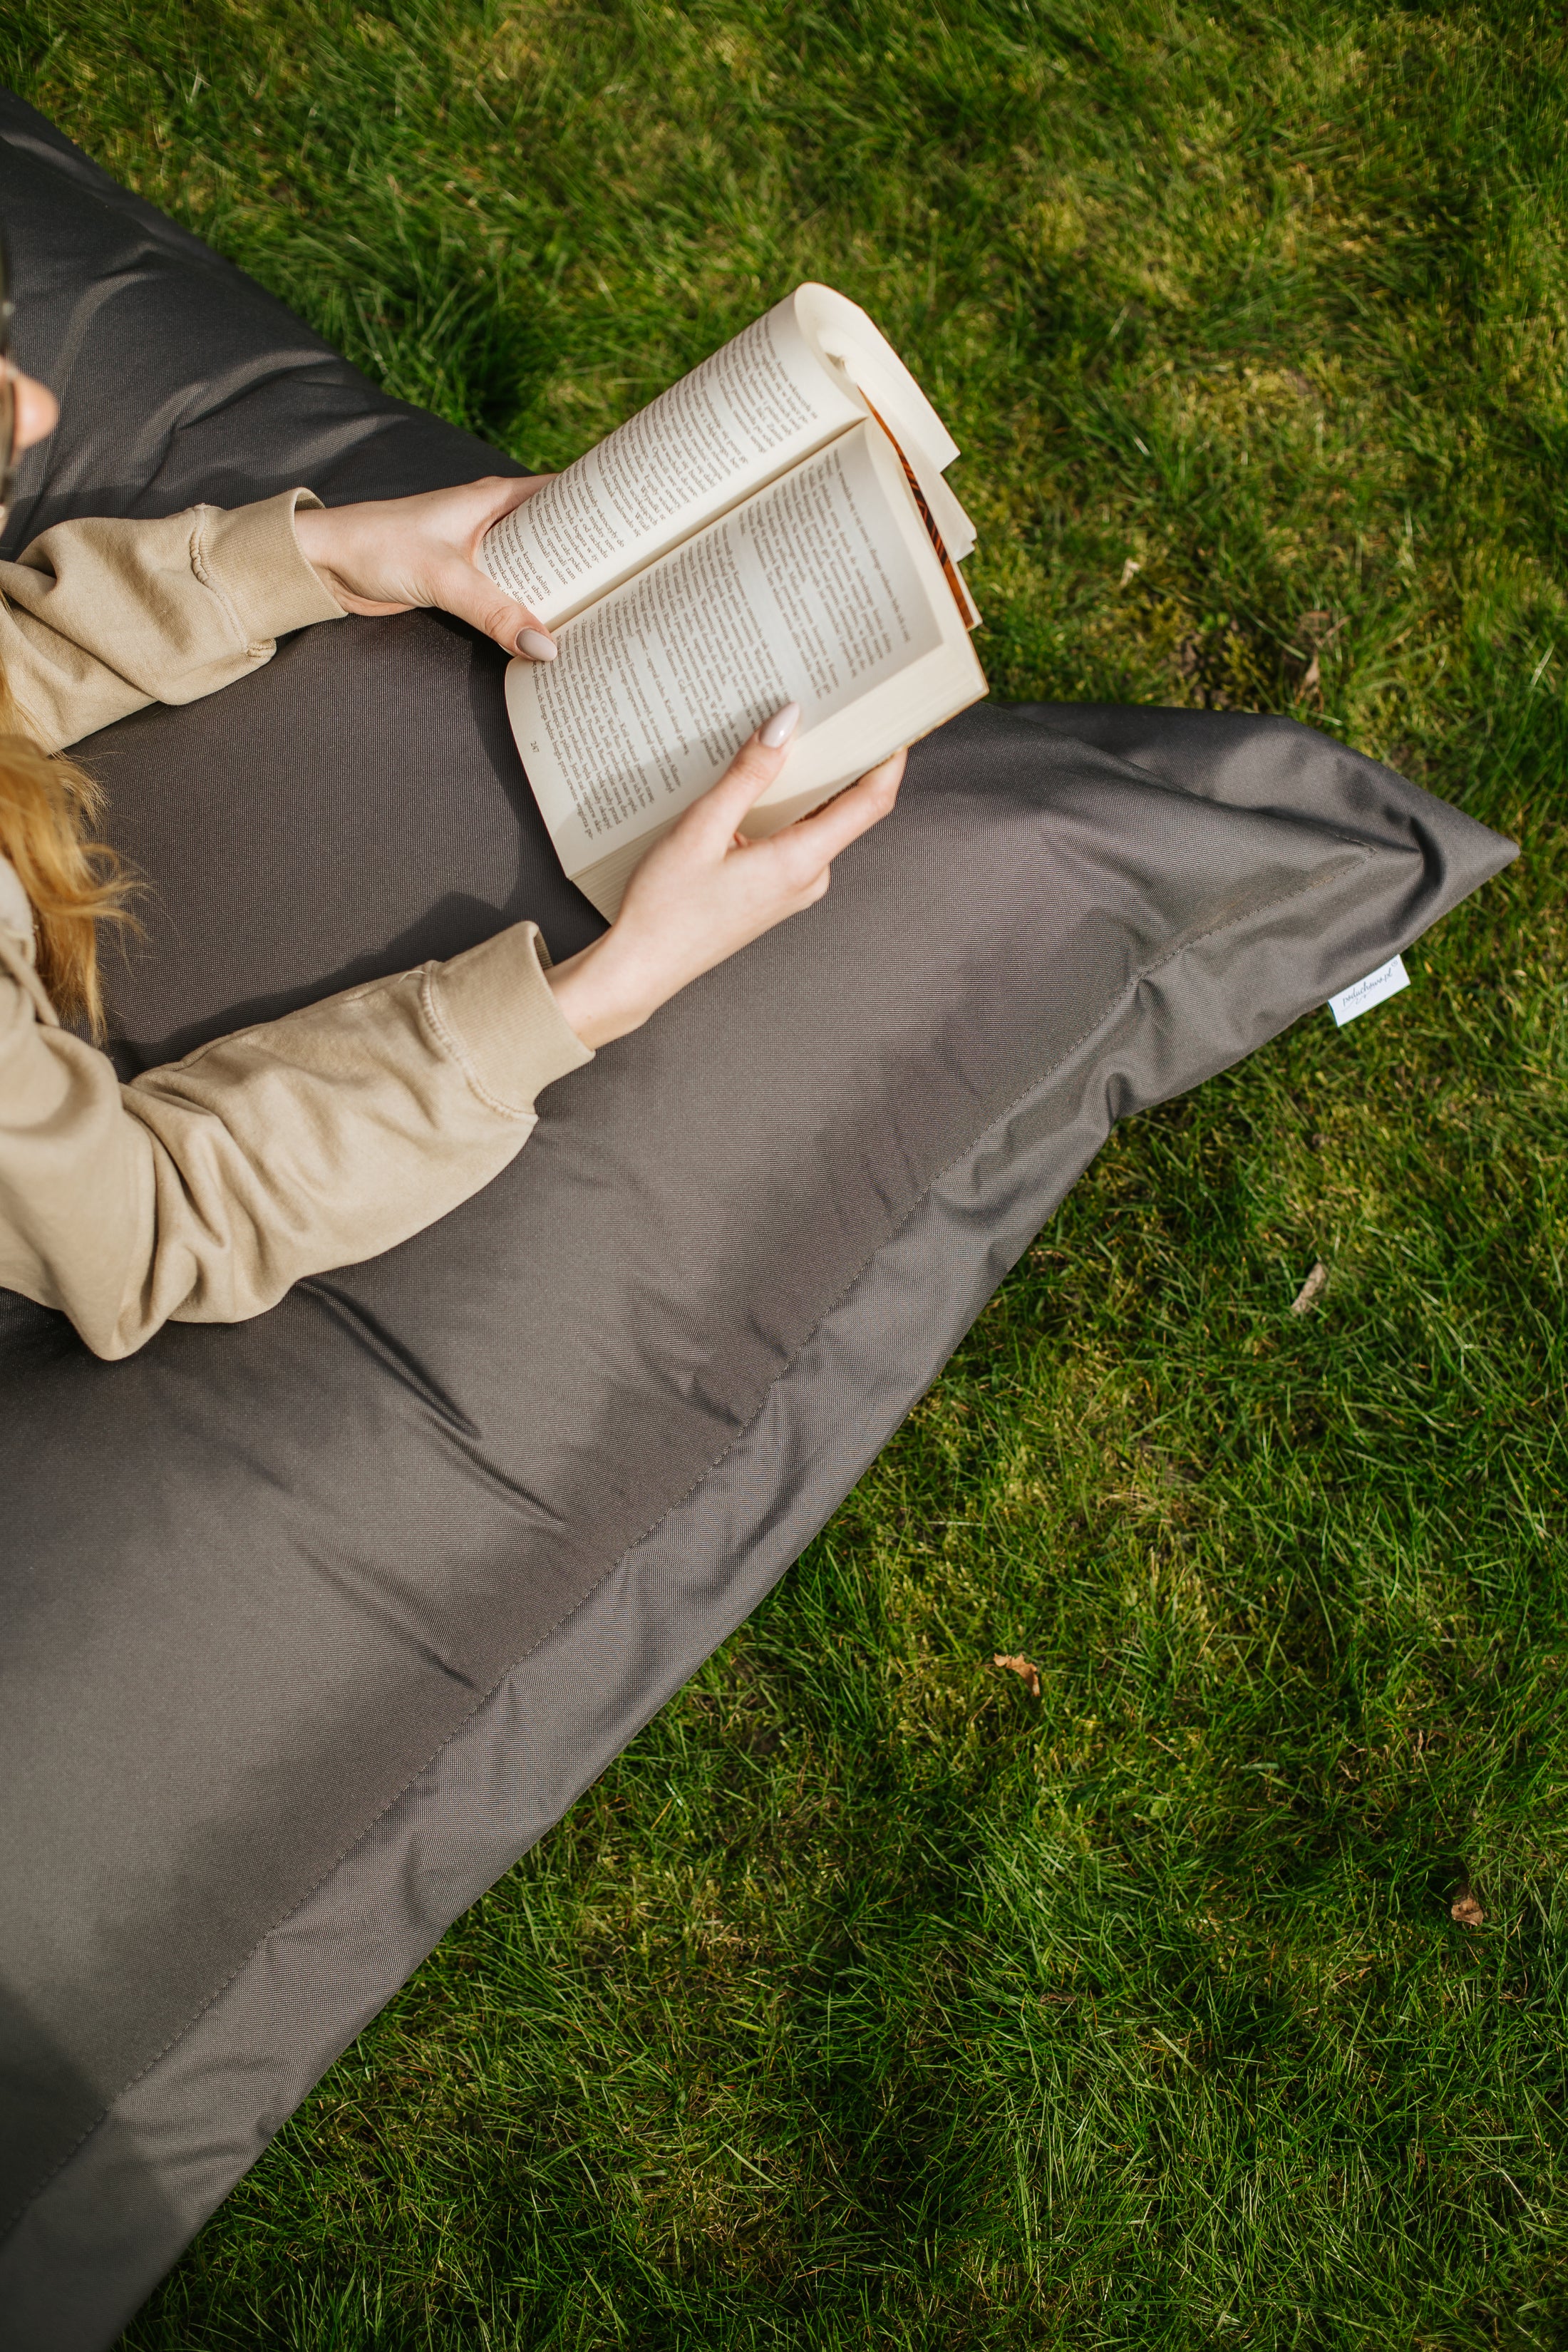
(99, 618)
(202, 1190)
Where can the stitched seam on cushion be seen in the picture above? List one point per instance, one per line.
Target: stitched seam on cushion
(453, 1045)
(1270, 719)
(1124, 994)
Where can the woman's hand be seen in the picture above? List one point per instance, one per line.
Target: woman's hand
(394, 553)
(704, 890)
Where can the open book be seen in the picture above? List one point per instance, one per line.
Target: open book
(774, 528)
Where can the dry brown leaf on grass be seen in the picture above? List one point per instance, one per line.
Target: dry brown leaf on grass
(1465, 1910)
(1320, 636)
(1309, 1288)
(1026, 1670)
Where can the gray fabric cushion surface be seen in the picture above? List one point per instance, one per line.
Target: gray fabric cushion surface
(114, 304)
(285, 1605)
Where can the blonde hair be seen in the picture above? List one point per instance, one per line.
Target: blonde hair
(47, 809)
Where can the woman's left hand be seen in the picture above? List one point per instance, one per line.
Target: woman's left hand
(392, 554)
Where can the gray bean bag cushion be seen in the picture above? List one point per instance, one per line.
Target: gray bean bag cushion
(311, 1626)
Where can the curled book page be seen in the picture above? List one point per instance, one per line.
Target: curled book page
(756, 406)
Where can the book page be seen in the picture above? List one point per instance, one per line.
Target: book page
(808, 593)
(744, 415)
(843, 336)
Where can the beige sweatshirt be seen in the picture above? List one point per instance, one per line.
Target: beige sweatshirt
(202, 1190)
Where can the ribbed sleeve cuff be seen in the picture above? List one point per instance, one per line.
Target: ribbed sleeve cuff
(496, 1014)
(250, 557)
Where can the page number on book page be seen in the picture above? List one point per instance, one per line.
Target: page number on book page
(1363, 994)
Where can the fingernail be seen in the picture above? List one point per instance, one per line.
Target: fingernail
(781, 726)
(537, 645)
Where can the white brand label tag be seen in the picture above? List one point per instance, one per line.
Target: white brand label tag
(1386, 981)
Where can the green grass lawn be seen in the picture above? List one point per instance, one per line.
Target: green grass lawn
(869, 2000)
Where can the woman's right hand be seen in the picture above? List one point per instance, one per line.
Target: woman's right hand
(704, 890)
